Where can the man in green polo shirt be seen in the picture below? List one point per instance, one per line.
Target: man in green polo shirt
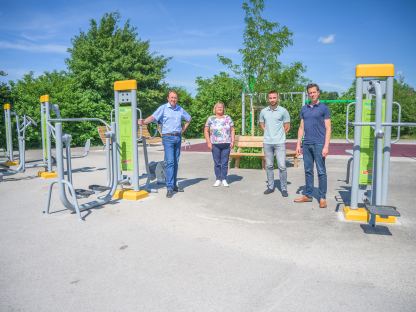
(275, 122)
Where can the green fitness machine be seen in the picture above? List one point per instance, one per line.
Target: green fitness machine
(372, 144)
(121, 154)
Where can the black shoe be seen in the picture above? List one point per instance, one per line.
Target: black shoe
(268, 191)
(169, 194)
(177, 189)
(284, 193)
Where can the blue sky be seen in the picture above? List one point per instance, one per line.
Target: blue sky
(330, 37)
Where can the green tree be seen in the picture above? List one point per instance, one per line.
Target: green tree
(104, 54)
(222, 88)
(406, 96)
(72, 103)
(107, 53)
(402, 93)
(264, 42)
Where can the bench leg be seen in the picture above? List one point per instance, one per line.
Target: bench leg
(263, 163)
(296, 161)
(237, 162)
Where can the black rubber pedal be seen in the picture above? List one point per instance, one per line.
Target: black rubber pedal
(99, 188)
(81, 193)
(384, 211)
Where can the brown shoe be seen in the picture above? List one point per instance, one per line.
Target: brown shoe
(303, 199)
(322, 203)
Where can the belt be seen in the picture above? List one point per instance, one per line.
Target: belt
(172, 134)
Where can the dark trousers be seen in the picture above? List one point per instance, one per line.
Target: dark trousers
(312, 153)
(172, 146)
(221, 154)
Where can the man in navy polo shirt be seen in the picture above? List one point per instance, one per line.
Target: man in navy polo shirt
(170, 116)
(315, 124)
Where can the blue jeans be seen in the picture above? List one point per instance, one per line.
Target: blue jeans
(172, 146)
(270, 150)
(313, 153)
(221, 154)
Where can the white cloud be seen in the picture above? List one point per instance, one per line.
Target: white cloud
(212, 32)
(33, 37)
(197, 52)
(210, 68)
(30, 47)
(328, 39)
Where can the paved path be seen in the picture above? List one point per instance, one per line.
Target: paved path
(397, 150)
(207, 249)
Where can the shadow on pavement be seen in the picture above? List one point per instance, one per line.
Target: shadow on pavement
(377, 230)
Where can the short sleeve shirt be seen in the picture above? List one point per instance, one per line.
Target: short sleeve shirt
(171, 118)
(220, 129)
(314, 123)
(274, 120)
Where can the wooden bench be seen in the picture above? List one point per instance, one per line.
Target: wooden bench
(255, 142)
(149, 138)
(101, 132)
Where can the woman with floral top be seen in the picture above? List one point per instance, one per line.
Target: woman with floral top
(219, 134)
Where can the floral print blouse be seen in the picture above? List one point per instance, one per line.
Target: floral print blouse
(220, 129)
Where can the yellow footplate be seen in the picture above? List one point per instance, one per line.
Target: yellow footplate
(47, 174)
(361, 214)
(12, 163)
(130, 194)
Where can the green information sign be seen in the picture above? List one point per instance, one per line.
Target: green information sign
(126, 142)
(367, 142)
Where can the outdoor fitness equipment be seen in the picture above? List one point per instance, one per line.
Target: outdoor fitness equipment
(9, 140)
(48, 131)
(21, 135)
(261, 97)
(372, 144)
(121, 149)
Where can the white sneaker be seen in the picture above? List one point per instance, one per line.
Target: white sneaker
(217, 183)
(224, 183)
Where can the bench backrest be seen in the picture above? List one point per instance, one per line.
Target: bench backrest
(145, 132)
(101, 133)
(248, 141)
(102, 129)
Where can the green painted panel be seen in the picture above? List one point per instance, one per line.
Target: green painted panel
(126, 140)
(367, 142)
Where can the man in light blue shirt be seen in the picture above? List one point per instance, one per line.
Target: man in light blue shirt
(170, 116)
(275, 122)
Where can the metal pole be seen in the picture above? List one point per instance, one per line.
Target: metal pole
(117, 142)
(387, 140)
(252, 114)
(378, 148)
(108, 160)
(59, 158)
(42, 125)
(18, 132)
(135, 175)
(48, 136)
(357, 144)
(8, 124)
(243, 113)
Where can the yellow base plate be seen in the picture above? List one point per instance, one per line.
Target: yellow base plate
(361, 214)
(130, 194)
(12, 163)
(47, 174)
